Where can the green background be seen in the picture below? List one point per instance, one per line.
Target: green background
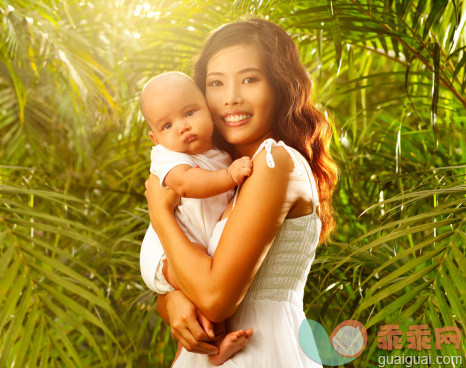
(74, 154)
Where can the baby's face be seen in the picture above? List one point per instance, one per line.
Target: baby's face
(178, 115)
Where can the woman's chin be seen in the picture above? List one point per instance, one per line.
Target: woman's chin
(238, 141)
(234, 136)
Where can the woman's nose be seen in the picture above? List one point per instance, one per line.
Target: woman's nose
(233, 96)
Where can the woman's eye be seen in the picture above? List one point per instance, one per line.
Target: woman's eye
(167, 126)
(250, 80)
(215, 83)
(189, 113)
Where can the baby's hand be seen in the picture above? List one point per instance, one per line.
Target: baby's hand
(240, 169)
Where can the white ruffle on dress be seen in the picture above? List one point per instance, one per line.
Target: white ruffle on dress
(273, 304)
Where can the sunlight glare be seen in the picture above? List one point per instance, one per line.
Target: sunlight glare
(143, 9)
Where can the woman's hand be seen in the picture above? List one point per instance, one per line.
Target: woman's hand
(185, 322)
(160, 201)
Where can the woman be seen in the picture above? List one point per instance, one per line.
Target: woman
(258, 93)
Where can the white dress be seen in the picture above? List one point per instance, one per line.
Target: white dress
(273, 304)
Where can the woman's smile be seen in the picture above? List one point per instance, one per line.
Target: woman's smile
(236, 118)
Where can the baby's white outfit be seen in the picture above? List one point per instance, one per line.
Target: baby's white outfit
(197, 216)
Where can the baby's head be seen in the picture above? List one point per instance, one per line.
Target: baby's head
(177, 113)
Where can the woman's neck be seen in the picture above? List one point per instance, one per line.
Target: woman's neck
(249, 149)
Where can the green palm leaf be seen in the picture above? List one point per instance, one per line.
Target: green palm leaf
(74, 155)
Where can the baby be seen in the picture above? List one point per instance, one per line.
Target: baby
(185, 160)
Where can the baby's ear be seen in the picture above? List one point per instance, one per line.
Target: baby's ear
(152, 136)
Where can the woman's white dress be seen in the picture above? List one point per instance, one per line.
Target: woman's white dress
(273, 305)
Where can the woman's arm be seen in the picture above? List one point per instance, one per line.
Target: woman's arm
(217, 285)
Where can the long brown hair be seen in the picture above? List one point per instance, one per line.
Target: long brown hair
(296, 121)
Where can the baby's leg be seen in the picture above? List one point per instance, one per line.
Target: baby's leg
(228, 343)
(167, 272)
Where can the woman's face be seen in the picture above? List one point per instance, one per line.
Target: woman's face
(240, 97)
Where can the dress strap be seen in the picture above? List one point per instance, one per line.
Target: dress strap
(299, 171)
(234, 198)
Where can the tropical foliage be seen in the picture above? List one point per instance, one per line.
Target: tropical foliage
(391, 77)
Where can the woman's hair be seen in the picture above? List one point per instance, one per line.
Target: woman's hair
(296, 121)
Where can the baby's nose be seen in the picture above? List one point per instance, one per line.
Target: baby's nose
(184, 128)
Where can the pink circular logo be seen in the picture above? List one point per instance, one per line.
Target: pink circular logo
(349, 338)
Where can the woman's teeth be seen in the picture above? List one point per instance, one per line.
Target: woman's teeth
(235, 118)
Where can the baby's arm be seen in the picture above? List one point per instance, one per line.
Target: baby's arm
(194, 182)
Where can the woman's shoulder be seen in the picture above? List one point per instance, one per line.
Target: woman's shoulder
(280, 157)
(272, 172)
(279, 173)
(276, 158)
(282, 166)
(271, 168)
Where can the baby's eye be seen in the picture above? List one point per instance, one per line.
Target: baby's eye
(167, 126)
(215, 83)
(250, 80)
(189, 113)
